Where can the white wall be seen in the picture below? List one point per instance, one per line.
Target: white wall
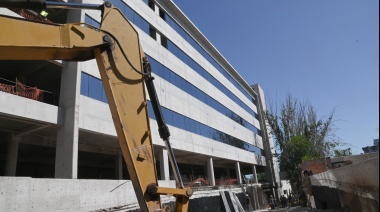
(96, 116)
(30, 194)
(286, 187)
(18, 106)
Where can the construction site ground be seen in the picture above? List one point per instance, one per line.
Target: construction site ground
(298, 209)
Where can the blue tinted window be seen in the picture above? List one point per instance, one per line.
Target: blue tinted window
(181, 122)
(144, 25)
(184, 85)
(137, 19)
(91, 21)
(195, 66)
(173, 78)
(150, 111)
(169, 117)
(170, 21)
(118, 4)
(132, 16)
(95, 88)
(104, 97)
(92, 87)
(128, 12)
(187, 124)
(84, 84)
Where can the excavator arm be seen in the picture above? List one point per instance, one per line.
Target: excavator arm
(124, 71)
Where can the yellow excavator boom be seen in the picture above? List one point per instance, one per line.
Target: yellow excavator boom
(124, 71)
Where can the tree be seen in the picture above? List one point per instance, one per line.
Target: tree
(342, 152)
(297, 150)
(300, 135)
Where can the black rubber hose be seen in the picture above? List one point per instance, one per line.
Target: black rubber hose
(26, 4)
(163, 129)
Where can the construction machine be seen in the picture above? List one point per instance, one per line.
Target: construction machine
(124, 70)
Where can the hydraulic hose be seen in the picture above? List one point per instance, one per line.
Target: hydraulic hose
(162, 127)
(43, 4)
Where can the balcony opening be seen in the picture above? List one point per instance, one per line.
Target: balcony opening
(38, 80)
(164, 41)
(163, 14)
(152, 33)
(151, 4)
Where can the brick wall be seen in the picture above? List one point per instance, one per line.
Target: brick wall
(317, 166)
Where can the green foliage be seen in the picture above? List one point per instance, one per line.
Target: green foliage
(297, 149)
(301, 135)
(342, 152)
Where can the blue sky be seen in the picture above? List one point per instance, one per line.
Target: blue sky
(325, 51)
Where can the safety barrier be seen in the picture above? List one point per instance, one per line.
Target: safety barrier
(20, 89)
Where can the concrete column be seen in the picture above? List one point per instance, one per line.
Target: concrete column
(75, 15)
(255, 180)
(158, 37)
(119, 165)
(156, 9)
(12, 154)
(210, 171)
(275, 195)
(238, 173)
(66, 161)
(164, 165)
(256, 198)
(278, 192)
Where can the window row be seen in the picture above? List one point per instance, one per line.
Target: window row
(207, 76)
(171, 22)
(192, 90)
(145, 26)
(132, 16)
(190, 125)
(184, 85)
(92, 87)
(201, 71)
(91, 21)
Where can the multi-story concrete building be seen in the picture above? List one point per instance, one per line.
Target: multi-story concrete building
(214, 116)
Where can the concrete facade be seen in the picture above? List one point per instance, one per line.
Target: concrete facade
(272, 170)
(71, 134)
